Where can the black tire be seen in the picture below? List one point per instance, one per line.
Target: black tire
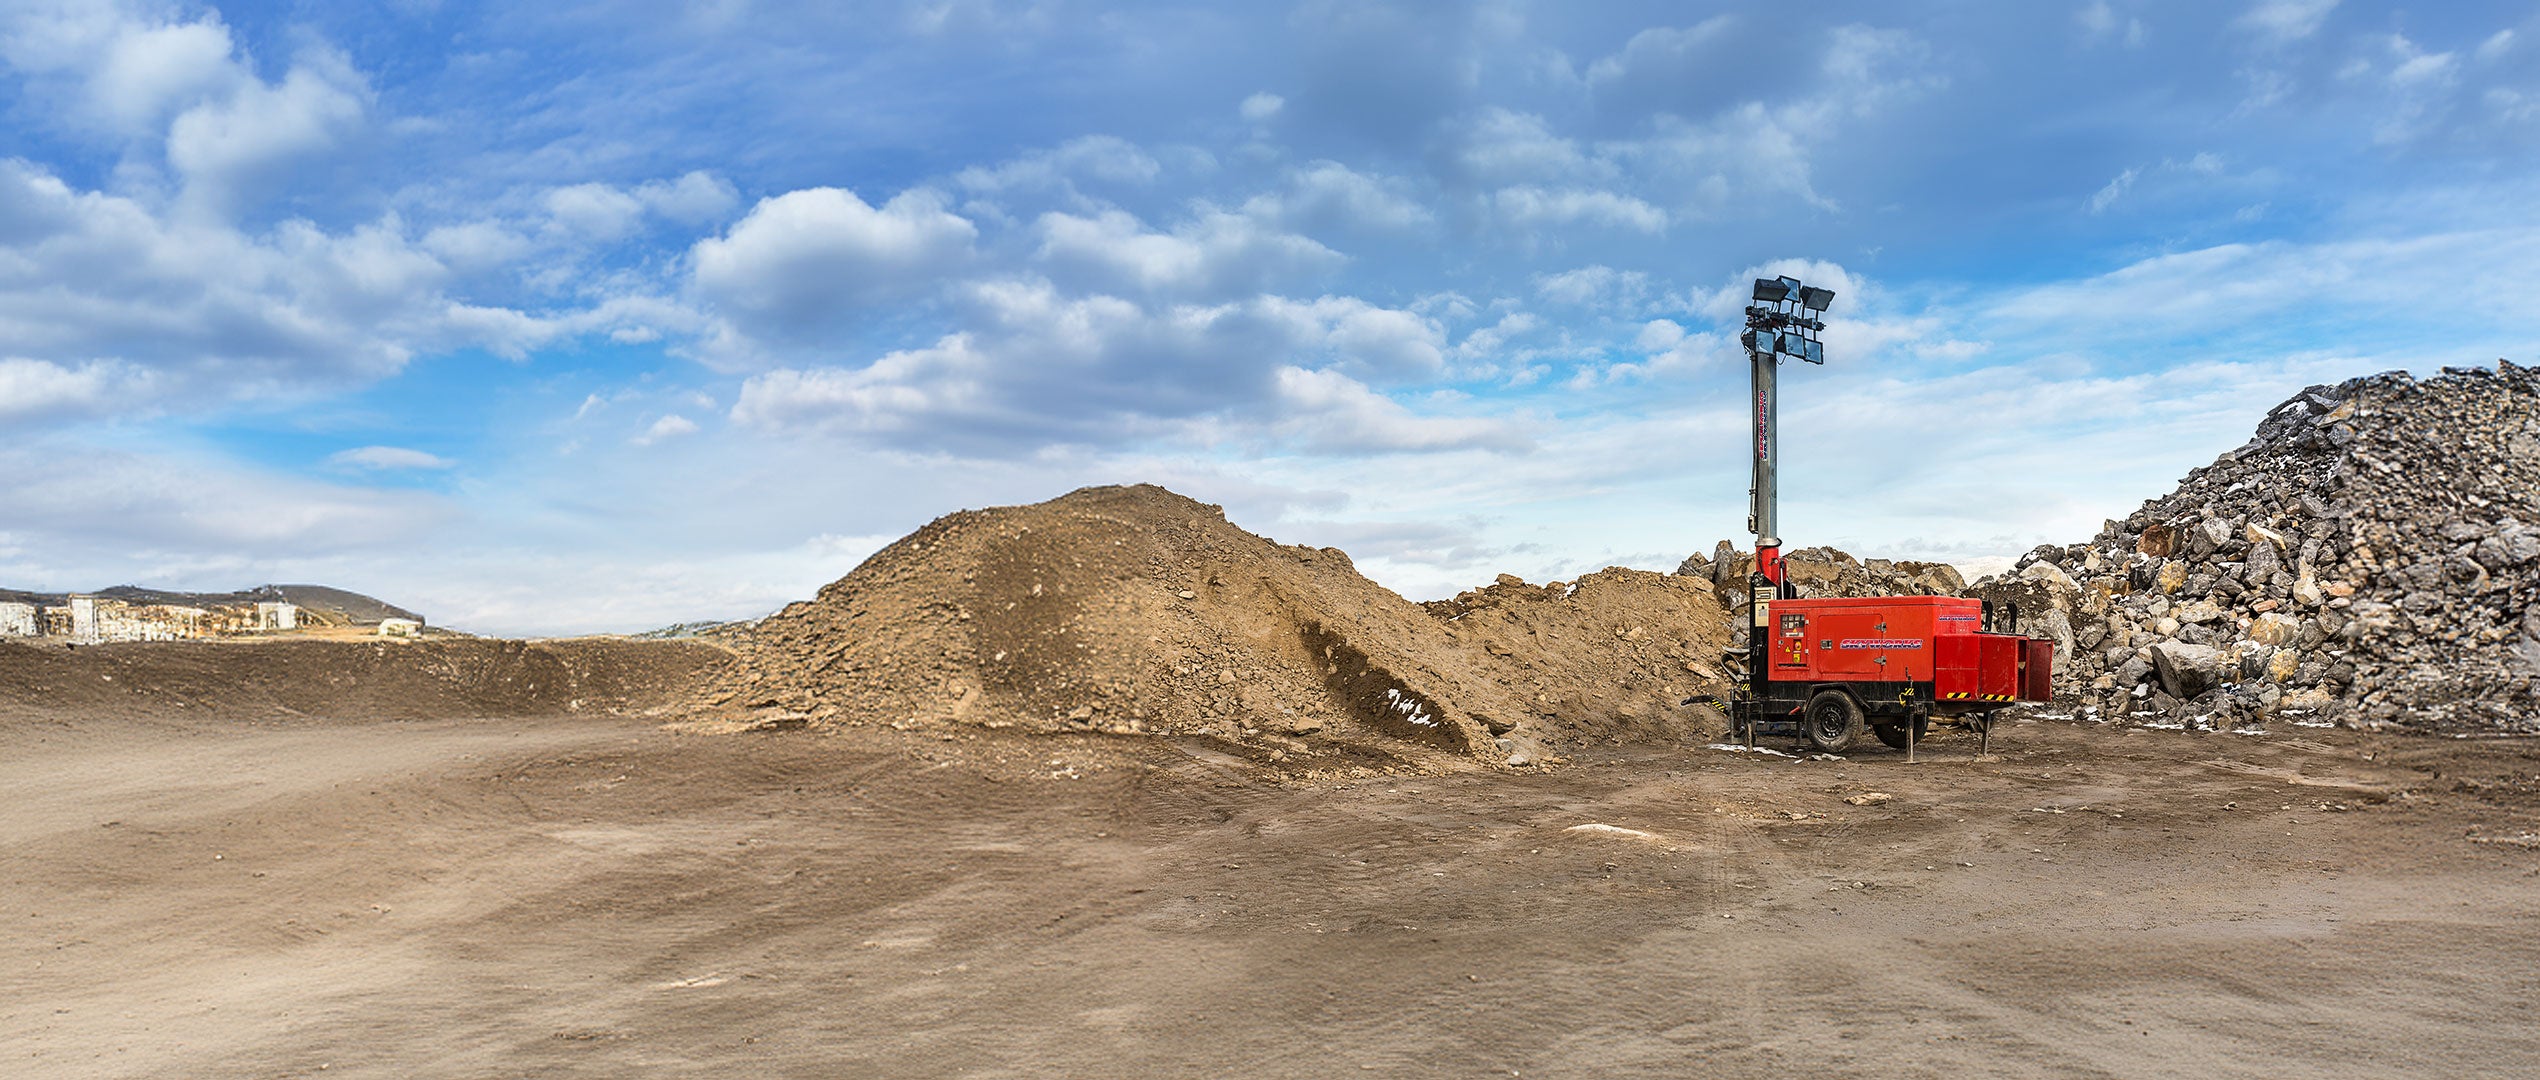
(1834, 722)
(1893, 734)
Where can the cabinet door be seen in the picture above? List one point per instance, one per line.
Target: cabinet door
(1853, 645)
(1790, 644)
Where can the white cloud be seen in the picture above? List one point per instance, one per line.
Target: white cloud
(1499, 147)
(214, 314)
(68, 496)
(1746, 151)
(148, 70)
(387, 458)
(2379, 286)
(1594, 286)
(1330, 195)
(1107, 158)
(1726, 304)
(696, 198)
(1661, 51)
(130, 71)
(34, 391)
(2100, 22)
(1327, 412)
(476, 245)
(1488, 342)
(2279, 22)
(670, 426)
(806, 262)
(2496, 45)
(2107, 196)
(1038, 368)
(1216, 254)
(1263, 106)
(2417, 67)
(592, 212)
(1658, 335)
(233, 150)
(1533, 208)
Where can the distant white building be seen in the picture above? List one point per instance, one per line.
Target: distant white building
(17, 620)
(277, 615)
(404, 628)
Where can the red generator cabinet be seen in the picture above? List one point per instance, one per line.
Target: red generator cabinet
(1831, 667)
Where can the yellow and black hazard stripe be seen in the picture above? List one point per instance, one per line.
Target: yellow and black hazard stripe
(1961, 695)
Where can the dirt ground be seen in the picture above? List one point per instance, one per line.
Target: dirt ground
(596, 895)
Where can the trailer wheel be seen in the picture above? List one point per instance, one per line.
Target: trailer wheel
(1834, 721)
(1894, 734)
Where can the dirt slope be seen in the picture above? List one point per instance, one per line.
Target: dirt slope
(1136, 610)
(349, 680)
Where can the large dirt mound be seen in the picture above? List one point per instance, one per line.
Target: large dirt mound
(351, 680)
(1136, 610)
(1606, 658)
(2369, 556)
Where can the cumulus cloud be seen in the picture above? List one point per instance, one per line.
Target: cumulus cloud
(1328, 195)
(695, 198)
(1262, 106)
(1745, 151)
(670, 426)
(1328, 412)
(476, 245)
(35, 391)
(1038, 367)
(235, 149)
(1106, 158)
(214, 314)
(1215, 254)
(1661, 55)
(806, 262)
(387, 458)
(1500, 147)
(1532, 208)
(592, 212)
(122, 71)
(1594, 286)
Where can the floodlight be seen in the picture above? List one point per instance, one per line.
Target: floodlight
(1814, 298)
(1813, 352)
(1773, 290)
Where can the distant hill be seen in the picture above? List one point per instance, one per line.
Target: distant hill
(326, 603)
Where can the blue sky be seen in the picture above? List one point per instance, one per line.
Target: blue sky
(576, 317)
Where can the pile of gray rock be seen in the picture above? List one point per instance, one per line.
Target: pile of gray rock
(2371, 557)
(1825, 571)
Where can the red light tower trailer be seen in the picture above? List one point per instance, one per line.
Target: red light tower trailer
(1827, 669)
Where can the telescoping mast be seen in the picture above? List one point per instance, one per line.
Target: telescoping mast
(1827, 669)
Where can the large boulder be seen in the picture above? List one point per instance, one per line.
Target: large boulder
(2188, 671)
